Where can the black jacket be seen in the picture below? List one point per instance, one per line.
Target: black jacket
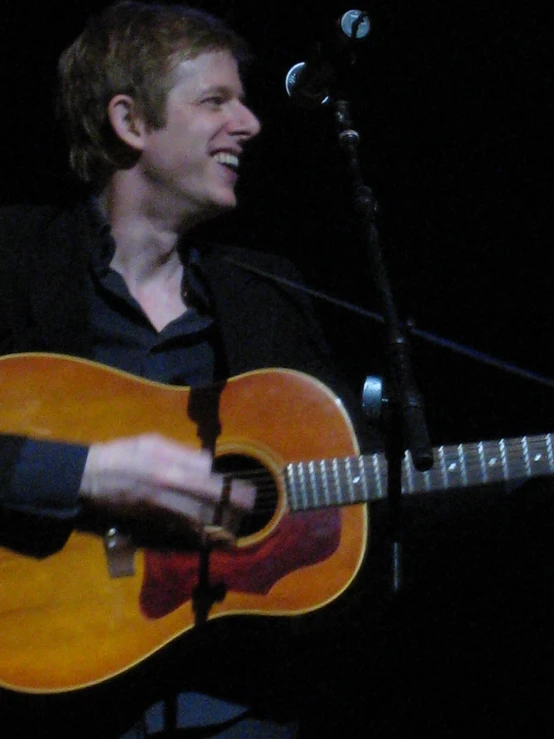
(44, 302)
(43, 307)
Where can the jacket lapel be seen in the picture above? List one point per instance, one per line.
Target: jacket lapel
(58, 298)
(243, 310)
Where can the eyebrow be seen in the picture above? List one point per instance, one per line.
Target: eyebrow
(223, 90)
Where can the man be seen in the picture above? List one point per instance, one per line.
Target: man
(153, 104)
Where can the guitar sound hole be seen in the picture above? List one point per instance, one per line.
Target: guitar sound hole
(267, 495)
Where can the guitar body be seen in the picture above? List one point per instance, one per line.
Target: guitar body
(65, 623)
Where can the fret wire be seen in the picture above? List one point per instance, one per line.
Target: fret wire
(409, 472)
(549, 451)
(540, 455)
(443, 466)
(504, 459)
(300, 491)
(302, 481)
(366, 472)
(462, 462)
(337, 484)
(502, 466)
(526, 459)
(451, 465)
(365, 464)
(291, 485)
(363, 478)
(326, 493)
(336, 479)
(349, 482)
(313, 483)
(454, 455)
(376, 459)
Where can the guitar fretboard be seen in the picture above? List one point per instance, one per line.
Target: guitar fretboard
(362, 479)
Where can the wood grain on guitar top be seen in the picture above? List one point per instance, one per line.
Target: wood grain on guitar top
(64, 622)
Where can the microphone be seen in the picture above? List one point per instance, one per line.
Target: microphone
(309, 83)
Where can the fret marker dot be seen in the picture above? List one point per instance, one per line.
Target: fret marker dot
(537, 457)
(492, 462)
(452, 466)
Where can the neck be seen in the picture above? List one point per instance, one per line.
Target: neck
(146, 236)
(146, 254)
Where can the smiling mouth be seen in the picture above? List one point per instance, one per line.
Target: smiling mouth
(231, 161)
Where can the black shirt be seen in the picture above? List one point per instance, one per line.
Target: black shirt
(183, 353)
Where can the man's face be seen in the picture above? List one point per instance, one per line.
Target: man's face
(192, 162)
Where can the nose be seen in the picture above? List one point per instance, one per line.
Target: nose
(247, 125)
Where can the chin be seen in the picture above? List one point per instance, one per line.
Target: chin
(225, 204)
(214, 209)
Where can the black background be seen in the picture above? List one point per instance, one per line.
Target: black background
(453, 101)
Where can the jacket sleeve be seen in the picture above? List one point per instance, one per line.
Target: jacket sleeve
(39, 478)
(46, 479)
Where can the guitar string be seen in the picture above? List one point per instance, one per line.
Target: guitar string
(267, 488)
(260, 477)
(472, 463)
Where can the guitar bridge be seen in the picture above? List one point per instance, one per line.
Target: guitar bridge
(120, 553)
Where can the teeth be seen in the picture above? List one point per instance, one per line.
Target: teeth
(230, 160)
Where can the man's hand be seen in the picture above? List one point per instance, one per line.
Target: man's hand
(152, 476)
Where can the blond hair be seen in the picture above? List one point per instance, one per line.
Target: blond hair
(130, 48)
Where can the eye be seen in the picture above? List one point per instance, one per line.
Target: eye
(215, 101)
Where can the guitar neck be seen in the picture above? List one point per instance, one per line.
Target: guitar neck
(363, 479)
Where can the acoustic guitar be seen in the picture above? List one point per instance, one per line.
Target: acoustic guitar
(77, 616)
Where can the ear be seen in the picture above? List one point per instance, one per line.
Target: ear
(126, 121)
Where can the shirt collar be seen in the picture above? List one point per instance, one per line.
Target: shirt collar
(101, 245)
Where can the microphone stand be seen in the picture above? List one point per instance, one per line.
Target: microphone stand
(404, 419)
